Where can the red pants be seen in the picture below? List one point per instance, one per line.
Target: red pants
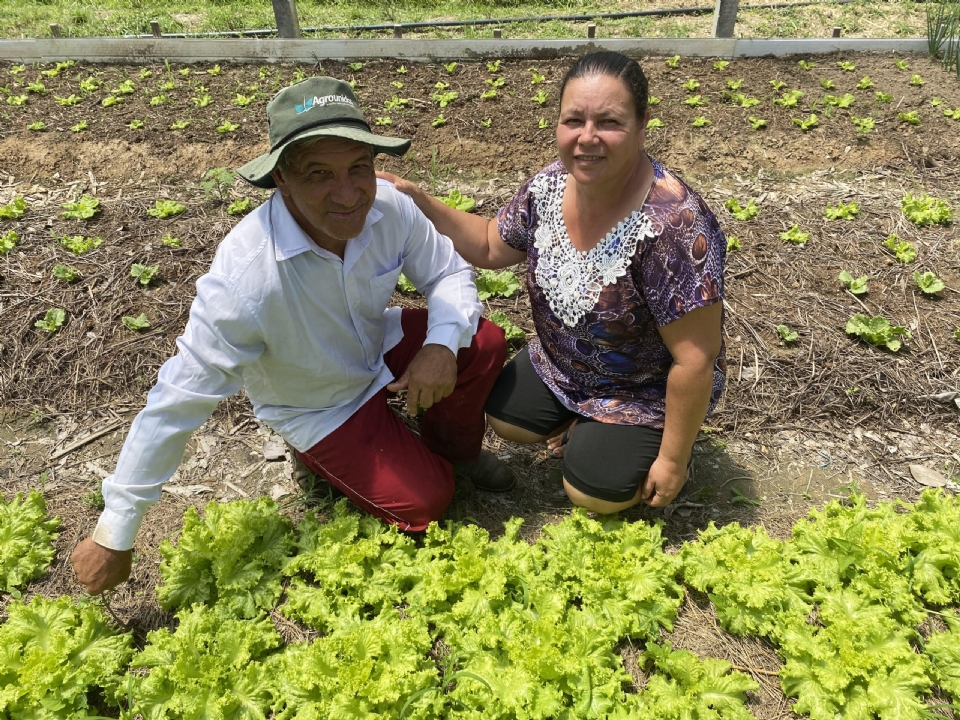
(388, 471)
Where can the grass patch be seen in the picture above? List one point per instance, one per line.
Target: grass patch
(29, 18)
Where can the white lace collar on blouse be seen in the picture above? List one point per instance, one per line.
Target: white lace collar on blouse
(570, 279)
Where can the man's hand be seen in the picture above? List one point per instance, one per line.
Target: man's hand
(664, 482)
(99, 568)
(429, 377)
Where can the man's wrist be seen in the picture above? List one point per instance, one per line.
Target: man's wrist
(115, 531)
(447, 336)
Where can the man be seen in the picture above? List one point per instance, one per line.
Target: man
(294, 310)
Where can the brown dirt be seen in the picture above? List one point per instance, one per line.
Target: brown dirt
(796, 426)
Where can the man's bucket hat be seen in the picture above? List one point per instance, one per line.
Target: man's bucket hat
(315, 107)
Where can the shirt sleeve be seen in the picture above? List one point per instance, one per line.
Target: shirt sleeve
(517, 220)
(445, 279)
(682, 269)
(220, 338)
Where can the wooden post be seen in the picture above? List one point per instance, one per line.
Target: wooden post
(591, 31)
(836, 32)
(497, 34)
(55, 30)
(724, 17)
(155, 29)
(398, 32)
(288, 25)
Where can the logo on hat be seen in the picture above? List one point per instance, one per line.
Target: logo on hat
(324, 100)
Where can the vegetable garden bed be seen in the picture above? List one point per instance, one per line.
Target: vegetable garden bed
(802, 416)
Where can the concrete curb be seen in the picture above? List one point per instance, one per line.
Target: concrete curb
(139, 51)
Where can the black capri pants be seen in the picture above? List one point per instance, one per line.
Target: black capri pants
(604, 461)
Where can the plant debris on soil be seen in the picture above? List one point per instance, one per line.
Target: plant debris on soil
(800, 421)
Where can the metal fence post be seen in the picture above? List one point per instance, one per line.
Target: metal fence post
(288, 25)
(724, 17)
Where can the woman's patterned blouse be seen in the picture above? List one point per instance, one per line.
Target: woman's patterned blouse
(597, 313)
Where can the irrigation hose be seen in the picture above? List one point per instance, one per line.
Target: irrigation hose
(501, 21)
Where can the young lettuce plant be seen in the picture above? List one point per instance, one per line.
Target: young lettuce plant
(789, 99)
(742, 212)
(135, 323)
(877, 331)
(404, 285)
(240, 206)
(78, 244)
(65, 272)
(904, 251)
(842, 212)
(510, 331)
(787, 335)
(83, 209)
(491, 283)
(857, 286)
(795, 235)
(14, 209)
(143, 273)
(458, 201)
(8, 241)
(928, 283)
(52, 321)
(923, 210)
(842, 102)
(444, 99)
(864, 126)
(165, 208)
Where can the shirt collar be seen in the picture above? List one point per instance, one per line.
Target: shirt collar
(290, 240)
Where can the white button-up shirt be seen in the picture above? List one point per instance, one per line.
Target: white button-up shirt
(303, 331)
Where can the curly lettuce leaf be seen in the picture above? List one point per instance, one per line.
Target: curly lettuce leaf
(491, 283)
(214, 665)
(26, 540)
(233, 555)
(54, 653)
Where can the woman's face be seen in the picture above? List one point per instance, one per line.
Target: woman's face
(599, 133)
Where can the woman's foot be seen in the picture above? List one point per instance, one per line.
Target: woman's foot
(557, 443)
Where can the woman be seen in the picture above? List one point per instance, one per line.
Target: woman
(625, 275)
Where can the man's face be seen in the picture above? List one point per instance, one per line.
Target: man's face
(329, 188)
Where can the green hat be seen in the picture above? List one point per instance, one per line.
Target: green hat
(315, 107)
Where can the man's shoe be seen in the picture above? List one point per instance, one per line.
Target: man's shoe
(488, 473)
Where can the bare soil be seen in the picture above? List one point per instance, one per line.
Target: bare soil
(798, 425)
